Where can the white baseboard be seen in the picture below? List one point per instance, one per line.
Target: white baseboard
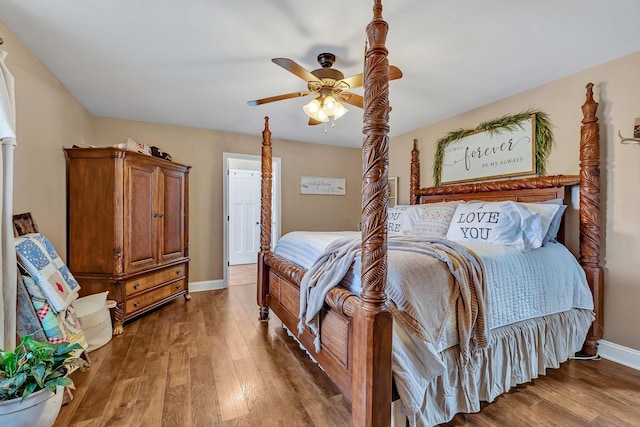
(206, 285)
(616, 353)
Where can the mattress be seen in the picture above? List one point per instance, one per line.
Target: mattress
(520, 285)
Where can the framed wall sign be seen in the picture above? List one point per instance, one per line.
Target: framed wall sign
(486, 155)
(322, 185)
(506, 147)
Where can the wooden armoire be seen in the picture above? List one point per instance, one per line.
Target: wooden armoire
(128, 228)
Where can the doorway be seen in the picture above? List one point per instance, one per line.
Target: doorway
(244, 216)
(241, 211)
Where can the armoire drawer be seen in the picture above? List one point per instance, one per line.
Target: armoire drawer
(144, 300)
(142, 283)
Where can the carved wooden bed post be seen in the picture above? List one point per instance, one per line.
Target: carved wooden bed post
(414, 179)
(265, 223)
(590, 215)
(371, 381)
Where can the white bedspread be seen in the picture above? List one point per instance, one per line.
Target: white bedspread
(520, 285)
(304, 247)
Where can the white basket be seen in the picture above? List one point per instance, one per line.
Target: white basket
(95, 319)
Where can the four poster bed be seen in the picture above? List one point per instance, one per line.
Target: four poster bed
(372, 341)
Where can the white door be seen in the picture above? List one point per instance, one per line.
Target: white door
(244, 216)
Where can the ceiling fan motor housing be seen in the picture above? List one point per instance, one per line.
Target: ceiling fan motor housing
(326, 61)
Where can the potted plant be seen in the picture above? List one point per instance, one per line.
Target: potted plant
(32, 380)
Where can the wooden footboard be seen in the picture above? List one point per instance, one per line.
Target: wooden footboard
(336, 320)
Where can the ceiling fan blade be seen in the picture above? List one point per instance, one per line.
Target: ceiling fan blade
(279, 97)
(295, 68)
(356, 80)
(352, 99)
(394, 72)
(313, 122)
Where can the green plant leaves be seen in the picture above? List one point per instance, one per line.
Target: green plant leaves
(35, 365)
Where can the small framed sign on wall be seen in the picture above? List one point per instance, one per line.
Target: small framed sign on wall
(323, 185)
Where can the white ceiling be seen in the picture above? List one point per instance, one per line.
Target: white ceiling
(196, 63)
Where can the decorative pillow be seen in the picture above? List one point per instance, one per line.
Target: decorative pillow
(38, 256)
(434, 220)
(402, 218)
(508, 223)
(550, 216)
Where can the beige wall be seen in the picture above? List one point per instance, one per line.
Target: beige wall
(617, 90)
(48, 117)
(202, 150)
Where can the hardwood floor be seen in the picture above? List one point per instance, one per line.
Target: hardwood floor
(242, 274)
(209, 362)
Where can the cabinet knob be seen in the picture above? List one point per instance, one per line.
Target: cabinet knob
(136, 286)
(135, 304)
(178, 272)
(178, 287)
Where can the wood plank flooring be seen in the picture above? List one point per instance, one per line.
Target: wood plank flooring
(209, 362)
(242, 274)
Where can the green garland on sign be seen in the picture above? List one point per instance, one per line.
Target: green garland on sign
(544, 138)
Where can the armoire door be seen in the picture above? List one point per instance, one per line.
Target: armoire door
(139, 210)
(171, 214)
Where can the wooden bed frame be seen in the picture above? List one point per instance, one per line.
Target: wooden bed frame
(357, 330)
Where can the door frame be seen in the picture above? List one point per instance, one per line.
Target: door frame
(227, 158)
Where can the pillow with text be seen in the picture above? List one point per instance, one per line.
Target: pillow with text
(402, 218)
(507, 223)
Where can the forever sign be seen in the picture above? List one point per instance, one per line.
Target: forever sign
(486, 155)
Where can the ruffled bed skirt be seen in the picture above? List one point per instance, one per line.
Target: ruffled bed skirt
(516, 354)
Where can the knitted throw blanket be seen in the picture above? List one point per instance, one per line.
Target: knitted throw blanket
(427, 281)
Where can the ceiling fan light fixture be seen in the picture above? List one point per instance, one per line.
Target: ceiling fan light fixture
(339, 111)
(312, 108)
(322, 116)
(324, 107)
(329, 105)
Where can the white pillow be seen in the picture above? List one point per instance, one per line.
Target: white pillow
(550, 214)
(434, 220)
(402, 218)
(508, 223)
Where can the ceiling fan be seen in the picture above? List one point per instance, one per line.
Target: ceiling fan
(329, 84)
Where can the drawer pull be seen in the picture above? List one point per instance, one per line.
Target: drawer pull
(178, 287)
(178, 272)
(135, 304)
(136, 286)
